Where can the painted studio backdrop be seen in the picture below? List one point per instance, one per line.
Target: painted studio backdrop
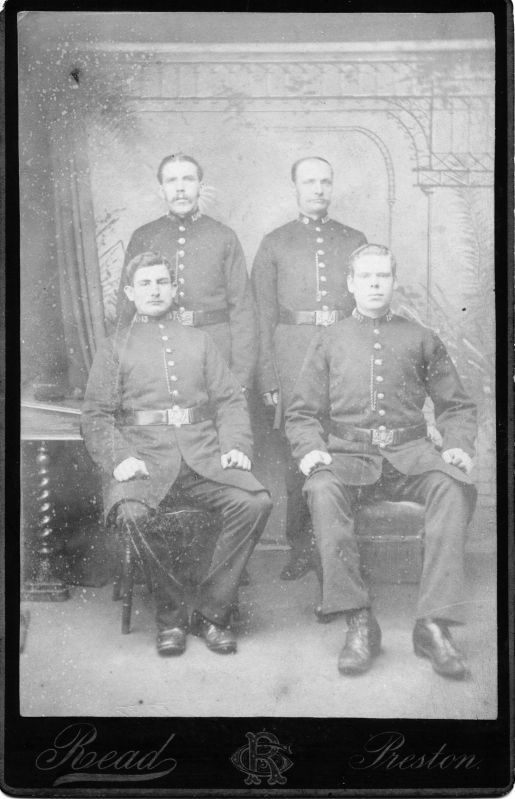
(408, 126)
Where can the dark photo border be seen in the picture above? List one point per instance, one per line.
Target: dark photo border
(194, 754)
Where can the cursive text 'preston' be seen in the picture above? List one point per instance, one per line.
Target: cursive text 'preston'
(388, 750)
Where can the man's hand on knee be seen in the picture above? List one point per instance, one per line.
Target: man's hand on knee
(458, 457)
(234, 459)
(130, 468)
(313, 459)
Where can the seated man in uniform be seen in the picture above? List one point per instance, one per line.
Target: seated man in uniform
(355, 425)
(164, 417)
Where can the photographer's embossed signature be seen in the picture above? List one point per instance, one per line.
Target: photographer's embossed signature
(388, 750)
(72, 750)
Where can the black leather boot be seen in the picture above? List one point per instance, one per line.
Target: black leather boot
(432, 639)
(362, 644)
(218, 639)
(171, 642)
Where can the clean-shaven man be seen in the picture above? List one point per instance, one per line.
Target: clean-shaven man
(368, 377)
(165, 419)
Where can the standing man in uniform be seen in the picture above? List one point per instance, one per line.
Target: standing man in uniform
(208, 263)
(369, 376)
(164, 418)
(299, 282)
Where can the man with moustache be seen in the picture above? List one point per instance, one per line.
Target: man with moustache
(209, 267)
(369, 376)
(299, 282)
(166, 420)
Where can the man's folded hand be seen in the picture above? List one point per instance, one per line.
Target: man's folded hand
(129, 469)
(316, 457)
(458, 457)
(271, 398)
(234, 459)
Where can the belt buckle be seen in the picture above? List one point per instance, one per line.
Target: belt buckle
(177, 416)
(325, 318)
(185, 317)
(382, 438)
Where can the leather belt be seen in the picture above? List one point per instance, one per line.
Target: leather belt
(323, 318)
(175, 416)
(200, 318)
(378, 436)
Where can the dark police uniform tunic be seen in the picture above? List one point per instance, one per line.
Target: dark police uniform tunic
(211, 275)
(301, 266)
(153, 365)
(375, 374)
(157, 364)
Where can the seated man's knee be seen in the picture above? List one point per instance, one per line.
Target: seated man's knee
(259, 503)
(452, 494)
(446, 484)
(320, 483)
(131, 512)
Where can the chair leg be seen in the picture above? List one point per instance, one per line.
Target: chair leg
(235, 613)
(117, 585)
(127, 587)
(317, 564)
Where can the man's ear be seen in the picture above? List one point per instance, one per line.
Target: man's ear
(350, 283)
(129, 292)
(161, 192)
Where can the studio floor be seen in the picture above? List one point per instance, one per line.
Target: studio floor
(76, 662)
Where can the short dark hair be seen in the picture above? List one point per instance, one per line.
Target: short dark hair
(141, 260)
(296, 165)
(372, 249)
(178, 157)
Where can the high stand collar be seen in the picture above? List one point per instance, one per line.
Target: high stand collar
(143, 319)
(194, 216)
(307, 220)
(376, 320)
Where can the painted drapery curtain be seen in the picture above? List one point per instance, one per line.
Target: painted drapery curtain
(79, 275)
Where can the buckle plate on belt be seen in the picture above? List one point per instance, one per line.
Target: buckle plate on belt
(177, 416)
(382, 438)
(325, 318)
(185, 317)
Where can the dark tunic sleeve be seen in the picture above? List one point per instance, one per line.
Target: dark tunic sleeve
(227, 400)
(241, 311)
(455, 413)
(264, 283)
(102, 401)
(310, 402)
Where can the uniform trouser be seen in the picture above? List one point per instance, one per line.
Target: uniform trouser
(244, 514)
(298, 520)
(448, 508)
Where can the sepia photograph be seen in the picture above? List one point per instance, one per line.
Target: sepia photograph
(257, 378)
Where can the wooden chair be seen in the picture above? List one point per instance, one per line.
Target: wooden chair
(390, 538)
(192, 533)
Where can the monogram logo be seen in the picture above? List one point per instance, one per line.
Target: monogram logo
(263, 757)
